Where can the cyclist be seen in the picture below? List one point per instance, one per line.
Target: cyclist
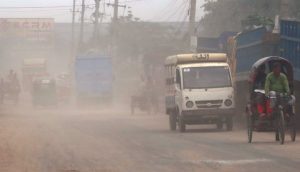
(277, 81)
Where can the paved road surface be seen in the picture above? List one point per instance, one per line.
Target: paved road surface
(114, 141)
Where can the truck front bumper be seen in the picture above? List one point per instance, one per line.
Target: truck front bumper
(207, 116)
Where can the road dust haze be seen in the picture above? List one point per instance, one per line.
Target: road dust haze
(113, 92)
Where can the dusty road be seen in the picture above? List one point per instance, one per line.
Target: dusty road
(114, 141)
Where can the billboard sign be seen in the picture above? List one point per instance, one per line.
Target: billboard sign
(33, 29)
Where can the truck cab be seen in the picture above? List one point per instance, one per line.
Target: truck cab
(199, 90)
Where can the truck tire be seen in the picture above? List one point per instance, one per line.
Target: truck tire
(219, 124)
(172, 122)
(229, 123)
(181, 124)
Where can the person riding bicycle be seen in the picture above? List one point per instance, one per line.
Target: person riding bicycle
(276, 81)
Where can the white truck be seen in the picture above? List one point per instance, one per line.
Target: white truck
(199, 90)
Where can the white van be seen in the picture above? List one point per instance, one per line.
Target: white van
(199, 90)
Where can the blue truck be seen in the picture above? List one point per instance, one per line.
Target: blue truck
(94, 78)
(290, 44)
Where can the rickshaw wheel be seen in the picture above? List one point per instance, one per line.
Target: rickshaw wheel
(281, 127)
(249, 128)
(292, 128)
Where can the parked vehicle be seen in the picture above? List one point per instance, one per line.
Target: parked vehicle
(199, 90)
(94, 78)
(280, 106)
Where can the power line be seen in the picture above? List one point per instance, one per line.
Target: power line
(177, 11)
(131, 1)
(42, 7)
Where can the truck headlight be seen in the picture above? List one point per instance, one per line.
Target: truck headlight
(189, 104)
(228, 102)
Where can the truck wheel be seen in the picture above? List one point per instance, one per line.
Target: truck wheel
(172, 122)
(229, 123)
(181, 124)
(219, 125)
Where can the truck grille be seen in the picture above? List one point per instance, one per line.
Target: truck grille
(209, 103)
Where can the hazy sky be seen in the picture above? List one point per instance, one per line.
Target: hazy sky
(147, 10)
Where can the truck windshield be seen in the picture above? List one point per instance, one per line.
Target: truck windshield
(206, 77)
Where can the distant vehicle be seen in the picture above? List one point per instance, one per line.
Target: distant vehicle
(199, 90)
(33, 68)
(44, 92)
(94, 78)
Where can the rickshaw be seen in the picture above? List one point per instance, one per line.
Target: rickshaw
(281, 107)
(44, 92)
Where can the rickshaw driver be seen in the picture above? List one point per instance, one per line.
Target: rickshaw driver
(277, 81)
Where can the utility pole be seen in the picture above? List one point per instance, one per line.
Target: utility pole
(285, 8)
(72, 59)
(81, 36)
(116, 6)
(192, 17)
(192, 32)
(96, 25)
(116, 10)
(73, 32)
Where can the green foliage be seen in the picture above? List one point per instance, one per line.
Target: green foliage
(227, 15)
(253, 21)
